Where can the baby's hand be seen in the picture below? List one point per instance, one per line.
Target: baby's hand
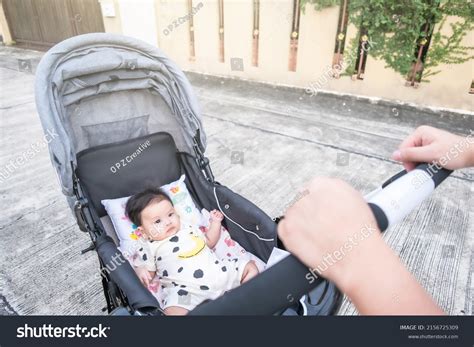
(143, 274)
(216, 216)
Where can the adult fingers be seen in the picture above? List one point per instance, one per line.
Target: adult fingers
(411, 155)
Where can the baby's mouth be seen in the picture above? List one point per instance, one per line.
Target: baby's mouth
(170, 230)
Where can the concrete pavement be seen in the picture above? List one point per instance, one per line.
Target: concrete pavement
(264, 142)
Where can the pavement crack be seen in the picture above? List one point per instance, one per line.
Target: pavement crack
(316, 121)
(5, 308)
(26, 214)
(323, 144)
(12, 106)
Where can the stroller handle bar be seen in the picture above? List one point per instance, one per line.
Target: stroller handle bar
(402, 193)
(279, 286)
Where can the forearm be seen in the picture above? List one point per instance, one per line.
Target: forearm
(470, 155)
(213, 234)
(373, 292)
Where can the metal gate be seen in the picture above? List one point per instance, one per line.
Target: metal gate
(47, 22)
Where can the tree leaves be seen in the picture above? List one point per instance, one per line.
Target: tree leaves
(396, 27)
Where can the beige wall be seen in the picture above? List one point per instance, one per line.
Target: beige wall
(148, 19)
(138, 19)
(112, 24)
(4, 29)
(176, 40)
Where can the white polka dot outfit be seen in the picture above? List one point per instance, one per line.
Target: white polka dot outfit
(189, 271)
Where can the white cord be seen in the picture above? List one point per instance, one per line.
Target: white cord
(250, 232)
(303, 304)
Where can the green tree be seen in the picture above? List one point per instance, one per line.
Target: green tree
(397, 28)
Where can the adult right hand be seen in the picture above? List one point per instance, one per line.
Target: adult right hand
(332, 230)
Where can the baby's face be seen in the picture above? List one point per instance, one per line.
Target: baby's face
(160, 220)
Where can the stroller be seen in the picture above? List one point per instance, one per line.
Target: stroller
(105, 95)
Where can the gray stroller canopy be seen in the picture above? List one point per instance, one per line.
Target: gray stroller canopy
(96, 89)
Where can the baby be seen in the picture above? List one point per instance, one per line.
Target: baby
(182, 255)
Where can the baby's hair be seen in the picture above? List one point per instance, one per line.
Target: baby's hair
(138, 202)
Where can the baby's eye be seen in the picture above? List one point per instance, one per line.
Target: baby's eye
(158, 221)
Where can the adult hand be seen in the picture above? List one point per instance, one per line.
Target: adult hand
(331, 229)
(428, 144)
